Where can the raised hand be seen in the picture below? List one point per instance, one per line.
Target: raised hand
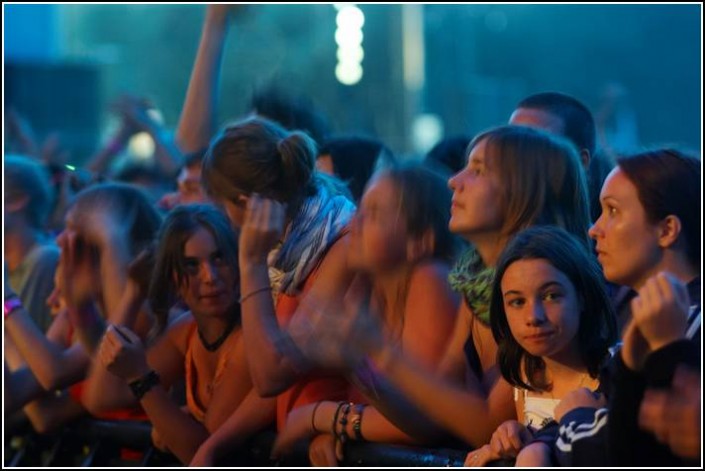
(136, 113)
(334, 335)
(661, 310)
(78, 271)
(103, 226)
(262, 227)
(121, 352)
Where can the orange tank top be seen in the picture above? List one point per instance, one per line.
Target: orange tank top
(312, 387)
(195, 406)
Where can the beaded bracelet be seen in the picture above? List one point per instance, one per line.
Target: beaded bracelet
(343, 437)
(335, 418)
(357, 422)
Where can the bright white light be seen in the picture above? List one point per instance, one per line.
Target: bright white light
(348, 73)
(156, 115)
(350, 17)
(141, 146)
(427, 130)
(350, 54)
(348, 38)
(338, 6)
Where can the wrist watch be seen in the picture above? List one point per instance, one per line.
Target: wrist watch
(140, 387)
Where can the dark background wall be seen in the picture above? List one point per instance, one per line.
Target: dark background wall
(479, 61)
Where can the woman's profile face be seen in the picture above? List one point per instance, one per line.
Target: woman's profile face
(476, 206)
(627, 244)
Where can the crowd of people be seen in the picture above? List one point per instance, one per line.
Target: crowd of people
(517, 295)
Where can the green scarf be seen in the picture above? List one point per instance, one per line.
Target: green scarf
(473, 280)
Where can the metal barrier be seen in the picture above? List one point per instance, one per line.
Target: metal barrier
(91, 443)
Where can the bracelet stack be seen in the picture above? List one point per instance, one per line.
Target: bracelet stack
(343, 417)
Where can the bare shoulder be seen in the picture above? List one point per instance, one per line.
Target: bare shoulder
(429, 284)
(431, 271)
(333, 274)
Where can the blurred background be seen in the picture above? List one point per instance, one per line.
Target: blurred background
(408, 74)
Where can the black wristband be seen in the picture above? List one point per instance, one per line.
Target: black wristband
(141, 386)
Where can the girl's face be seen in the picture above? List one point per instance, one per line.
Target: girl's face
(627, 244)
(542, 308)
(209, 286)
(378, 236)
(476, 207)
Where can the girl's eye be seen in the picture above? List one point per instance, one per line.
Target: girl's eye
(515, 302)
(191, 267)
(218, 259)
(552, 296)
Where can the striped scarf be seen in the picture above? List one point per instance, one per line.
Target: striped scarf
(317, 224)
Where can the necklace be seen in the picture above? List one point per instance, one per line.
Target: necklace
(583, 378)
(211, 347)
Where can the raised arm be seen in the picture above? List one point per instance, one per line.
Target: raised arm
(197, 122)
(136, 113)
(275, 362)
(52, 362)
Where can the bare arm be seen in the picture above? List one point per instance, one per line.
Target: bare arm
(105, 391)
(135, 113)
(471, 411)
(46, 410)
(274, 368)
(197, 122)
(100, 161)
(429, 317)
(53, 364)
(251, 416)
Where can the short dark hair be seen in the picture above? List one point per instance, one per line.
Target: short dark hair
(450, 154)
(292, 113)
(597, 330)
(578, 122)
(170, 265)
(355, 159)
(668, 182)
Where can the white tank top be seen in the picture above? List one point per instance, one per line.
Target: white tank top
(538, 411)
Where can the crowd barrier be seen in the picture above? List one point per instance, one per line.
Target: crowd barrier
(97, 443)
